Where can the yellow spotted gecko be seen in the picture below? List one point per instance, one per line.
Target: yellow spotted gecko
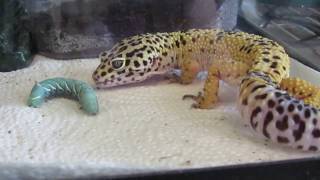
(283, 109)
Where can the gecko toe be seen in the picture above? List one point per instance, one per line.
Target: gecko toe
(191, 96)
(195, 106)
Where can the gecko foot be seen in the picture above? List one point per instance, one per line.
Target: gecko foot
(173, 78)
(200, 101)
(196, 98)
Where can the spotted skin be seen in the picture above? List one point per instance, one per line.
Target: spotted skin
(276, 106)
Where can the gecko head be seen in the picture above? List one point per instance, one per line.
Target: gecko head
(123, 64)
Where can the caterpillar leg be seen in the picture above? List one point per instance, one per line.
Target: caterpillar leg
(229, 71)
(302, 89)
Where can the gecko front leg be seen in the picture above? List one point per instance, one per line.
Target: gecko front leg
(189, 70)
(220, 70)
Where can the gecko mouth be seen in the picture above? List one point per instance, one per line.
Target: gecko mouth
(117, 82)
(105, 84)
(111, 83)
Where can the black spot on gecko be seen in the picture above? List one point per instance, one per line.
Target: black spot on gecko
(314, 121)
(280, 109)
(245, 101)
(263, 44)
(172, 59)
(122, 49)
(314, 110)
(110, 70)
(276, 71)
(282, 139)
(296, 118)
(291, 107)
(127, 62)
(255, 112)
(273, 43)
(130, 54)
(103, 73)
(299, 132)
(307, 113)
(287, 97)
(160, 37)
(262, 96)
(271, 103)
(129, 74)
(145, 63)
(268, 118)
(274, 65)
(177, 44)
(266, 60)
(220, 33)
(316, 133)
(277, 94)
(184, 42)
(313, 148)
(241, 48)
(282, 125)
(136, 64)
(275, 57)
(140, 55)
(257, 87)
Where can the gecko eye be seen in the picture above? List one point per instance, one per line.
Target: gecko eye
(118, 63)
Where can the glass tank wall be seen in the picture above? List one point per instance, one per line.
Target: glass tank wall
(68, 29)
(294, 24)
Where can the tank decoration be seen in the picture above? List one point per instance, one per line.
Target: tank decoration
(15, 38)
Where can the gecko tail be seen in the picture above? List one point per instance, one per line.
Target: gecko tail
(278, 116)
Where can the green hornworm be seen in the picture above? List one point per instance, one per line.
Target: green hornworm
(70, 88)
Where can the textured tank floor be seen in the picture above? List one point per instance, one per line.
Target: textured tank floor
(140, 128)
